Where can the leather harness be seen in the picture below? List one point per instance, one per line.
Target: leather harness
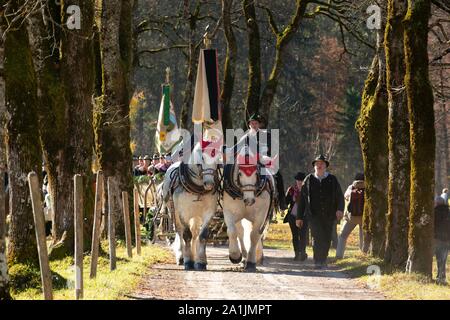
(184, 176)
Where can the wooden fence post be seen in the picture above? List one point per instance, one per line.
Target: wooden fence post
(111, 227)
(78, 219)
(97, 224)
(39, 226)
(137, 222)
(126, 221)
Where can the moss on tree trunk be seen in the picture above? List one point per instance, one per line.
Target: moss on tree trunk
(23, 145)
(422, 132)
(112, 130)
(254, 60)
(372, 128)
(75, 72)
(398, 128)
(65, 82)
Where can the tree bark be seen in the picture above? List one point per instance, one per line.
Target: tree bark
(252, 103)
(398, 128)
(4, 279)
(112, 129)
(441, 141)
(372, 128)
(283, 39)
(422, 132)
(230, 65)
(193, 53)
(23, 145)
(77, 78)
(66, 85)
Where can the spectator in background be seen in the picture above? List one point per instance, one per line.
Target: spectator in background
(441, 237)
(138, 170)
(166, 163)
(298, 234)
(353, 215)
(160, 163)
(444, 195)
(153, 166)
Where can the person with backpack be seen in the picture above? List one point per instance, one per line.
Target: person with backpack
(321, 204)
(353, 215)
(298, 235)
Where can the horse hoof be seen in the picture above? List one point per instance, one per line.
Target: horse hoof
(250, 267)
(200, 266)
(180, 261)
(236, 261)
(189, 265)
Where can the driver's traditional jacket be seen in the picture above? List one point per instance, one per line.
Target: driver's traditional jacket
(261, 139)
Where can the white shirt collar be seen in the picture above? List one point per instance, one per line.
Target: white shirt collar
(321, 178)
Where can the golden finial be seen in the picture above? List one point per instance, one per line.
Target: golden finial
(168, 75)
(206, 38)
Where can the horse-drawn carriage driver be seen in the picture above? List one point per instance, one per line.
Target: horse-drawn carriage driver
(256, 124)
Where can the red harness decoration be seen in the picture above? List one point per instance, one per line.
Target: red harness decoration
(247, 164)
(248, 170)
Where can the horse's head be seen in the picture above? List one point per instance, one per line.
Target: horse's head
(248, 175)
(208, 156)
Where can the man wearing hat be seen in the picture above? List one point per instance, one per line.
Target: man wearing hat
(321, 203)
(255, 123)
(152, 169)
(141, 168)
(137, 167)
(298, 234)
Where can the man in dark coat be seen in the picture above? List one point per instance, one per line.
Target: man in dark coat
(263, 145)
(322, 202)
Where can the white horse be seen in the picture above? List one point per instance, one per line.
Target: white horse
(192, 187)
(247, 204)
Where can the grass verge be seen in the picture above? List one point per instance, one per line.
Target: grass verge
(108, 285)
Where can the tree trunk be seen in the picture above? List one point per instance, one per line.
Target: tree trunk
(230, 65)
(441, 141)
(398, 123)
(420, 106)
(372, 128)
(76, 74)
(4, 279)
(283, 39)
(193, 53)
(52, 110)
(65, 93)
(254, 59)
(113, 123)
(23, 145)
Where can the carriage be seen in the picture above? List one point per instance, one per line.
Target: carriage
(156, 219)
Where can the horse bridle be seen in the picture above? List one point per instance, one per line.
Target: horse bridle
(248, 187)
(207, 172)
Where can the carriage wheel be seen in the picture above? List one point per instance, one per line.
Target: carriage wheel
(155, 229)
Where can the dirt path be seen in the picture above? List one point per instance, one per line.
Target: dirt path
(280, 278)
